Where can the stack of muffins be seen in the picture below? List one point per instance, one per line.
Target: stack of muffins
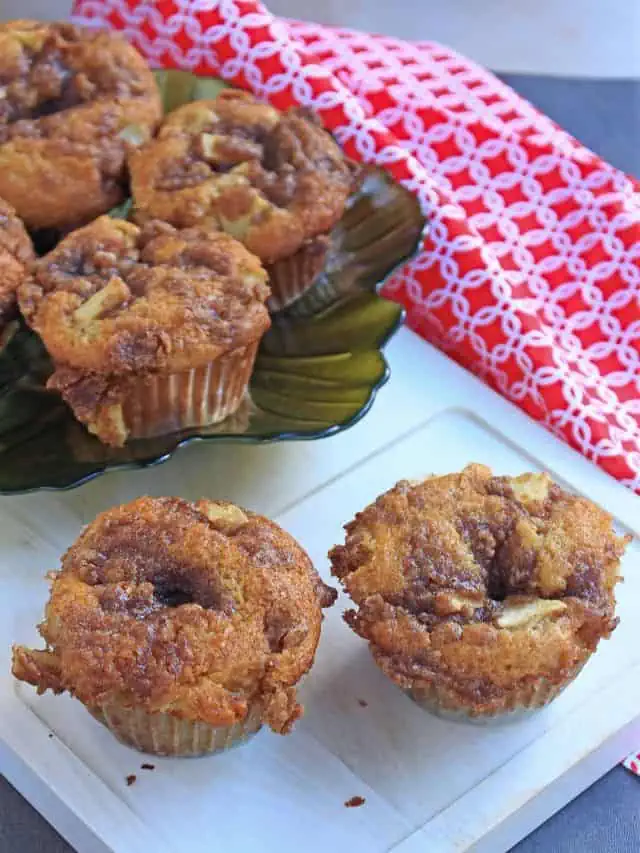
(152, 325)
(184, 627)
(276, 182)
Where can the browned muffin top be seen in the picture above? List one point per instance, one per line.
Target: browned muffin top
(114, 298)
(479, 582)
(197, 610)
(70, 99)
(271, 179)
(47, 69)
(16, 252)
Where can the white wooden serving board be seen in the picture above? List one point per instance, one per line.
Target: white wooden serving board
(429, 785)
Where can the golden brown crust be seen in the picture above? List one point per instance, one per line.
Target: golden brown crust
(16, 252)
(478, 585)
(197, 610)
(273, 180)
(114, 299)
(72, 102)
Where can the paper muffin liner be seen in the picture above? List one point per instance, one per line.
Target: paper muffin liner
(88, 448)
(290, 277)
(518, 704)
(157, 404)
(327, 289)
(380, 228)
(166, 735)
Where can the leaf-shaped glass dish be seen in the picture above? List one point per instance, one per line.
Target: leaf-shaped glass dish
(316, 373)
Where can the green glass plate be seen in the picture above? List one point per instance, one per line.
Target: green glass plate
(314, 376)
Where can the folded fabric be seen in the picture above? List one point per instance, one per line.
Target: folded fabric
(529, 272)
(632, 763)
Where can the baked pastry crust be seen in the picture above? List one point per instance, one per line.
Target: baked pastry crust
(198, 610)
(113, 298)
(476, 587)
(72, 102)
(273, 180)
(16, 252)
(119, 307)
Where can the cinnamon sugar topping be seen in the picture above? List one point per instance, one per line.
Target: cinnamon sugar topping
(271, 180)
(477, 584)
(73, 102)
(198, 610)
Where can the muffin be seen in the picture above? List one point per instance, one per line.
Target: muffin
(150, 330)
(16, 252)
(181, 626)
(72, 101)
(275, 181)
(482, 596)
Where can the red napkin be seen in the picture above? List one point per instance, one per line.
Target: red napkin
(529, 273)
(632, 763)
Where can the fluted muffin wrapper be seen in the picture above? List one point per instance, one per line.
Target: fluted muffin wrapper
(165, 735)
(290, 277)
(325, 290)
(379, 229)
(519, 703)
(157, 404)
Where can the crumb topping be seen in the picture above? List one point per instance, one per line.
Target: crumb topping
(272, 180)
(478, 581)
(47, 69)
(16, 252)
(198, 610)
(113, 298)
(72, 102)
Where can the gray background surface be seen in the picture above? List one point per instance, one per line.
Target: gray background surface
(605, 115)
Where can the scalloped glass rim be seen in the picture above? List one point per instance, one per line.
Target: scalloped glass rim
(70, 477)
(244, 438)
(314, 377)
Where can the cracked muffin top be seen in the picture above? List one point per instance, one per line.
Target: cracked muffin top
(198, 610)
(273, 180)
(72, 102)
(478, 583)
(16, 252)
(114, 298)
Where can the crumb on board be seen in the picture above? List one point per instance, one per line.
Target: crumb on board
(363, 703)
(147, 766)
(354, 802)
(131, 779)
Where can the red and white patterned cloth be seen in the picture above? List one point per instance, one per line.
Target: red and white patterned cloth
(632, 763)
(529, 273)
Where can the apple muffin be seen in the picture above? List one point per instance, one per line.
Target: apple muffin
(72, 102)
(276, 181)
(183, 627)
(482, 596)
(151, 330)
(16, 253)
